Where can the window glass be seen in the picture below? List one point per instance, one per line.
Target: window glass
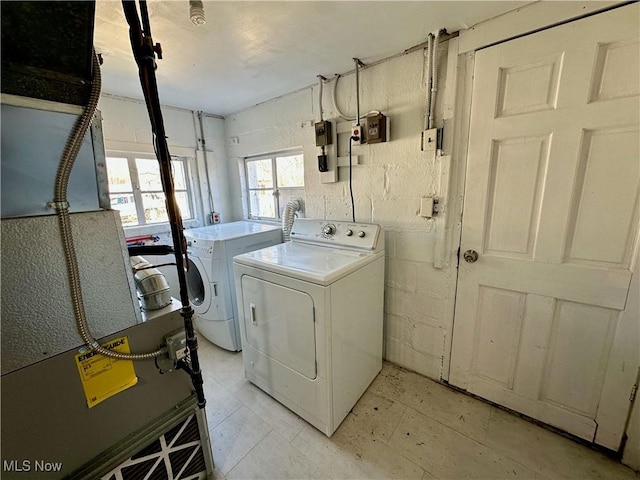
(126, 205)
(118, 175)
(262, 204)
(179, 175)
(290, 171)
(259, 174)
(148, 174)
(272, 180)
(183, 204)
(155, 208)
(135, 187)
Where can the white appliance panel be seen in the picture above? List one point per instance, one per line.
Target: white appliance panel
(344, 235)
(357, 303)
(279, 322)
(214, 246)
(222, 332)
(314, 263)
(308, 398)
(229, 231)
(348, 323)
(220, 291)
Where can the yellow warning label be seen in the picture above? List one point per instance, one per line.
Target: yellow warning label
(103, 377)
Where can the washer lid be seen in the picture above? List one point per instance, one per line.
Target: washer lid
(227, 231)
(312, 263)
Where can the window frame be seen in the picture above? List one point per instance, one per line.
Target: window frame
(277, 190)
(142, 228)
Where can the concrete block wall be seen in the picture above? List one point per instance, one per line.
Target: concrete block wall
(127, 120)
(388, 184)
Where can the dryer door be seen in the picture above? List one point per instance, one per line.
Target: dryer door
(198, 286)
(279, 322)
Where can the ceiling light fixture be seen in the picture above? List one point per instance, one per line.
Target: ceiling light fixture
(196, 12)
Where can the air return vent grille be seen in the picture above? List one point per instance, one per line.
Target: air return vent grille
(176, 455)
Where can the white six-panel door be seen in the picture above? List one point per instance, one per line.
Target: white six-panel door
(551, 208)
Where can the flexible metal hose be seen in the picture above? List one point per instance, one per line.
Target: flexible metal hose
(61, 204)
(288, 216)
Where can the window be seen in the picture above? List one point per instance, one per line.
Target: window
(135, 189)
(273, 180)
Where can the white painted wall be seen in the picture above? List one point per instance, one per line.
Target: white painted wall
(127, 120)
(388, 185)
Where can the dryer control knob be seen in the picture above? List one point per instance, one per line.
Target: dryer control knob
(328, 229)
(361, 234)
(349, 232)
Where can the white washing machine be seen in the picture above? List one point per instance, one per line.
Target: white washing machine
(311, 314)
(210, 275)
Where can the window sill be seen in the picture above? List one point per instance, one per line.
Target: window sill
(267, 221)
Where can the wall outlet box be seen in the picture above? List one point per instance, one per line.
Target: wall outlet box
(356, 131)
(427, 207)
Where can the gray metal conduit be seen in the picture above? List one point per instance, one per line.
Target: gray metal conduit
(434, 82)
(61, 205)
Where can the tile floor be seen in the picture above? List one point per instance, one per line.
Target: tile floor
(404, 427)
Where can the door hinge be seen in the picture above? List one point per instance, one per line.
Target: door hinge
(634, 391)
(313, 309)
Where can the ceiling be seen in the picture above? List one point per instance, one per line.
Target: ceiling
(252, 51)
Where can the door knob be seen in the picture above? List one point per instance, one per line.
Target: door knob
(470, 256)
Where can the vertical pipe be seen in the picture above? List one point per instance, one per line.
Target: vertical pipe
(321, 80)
(428, 55)
(358, 63)
(206, 168)
(434, 81)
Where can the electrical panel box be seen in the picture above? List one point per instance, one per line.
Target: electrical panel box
(323, 133)
(176, 344)
(375, 129)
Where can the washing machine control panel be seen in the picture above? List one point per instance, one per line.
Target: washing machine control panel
(200, 248)
(350, 235)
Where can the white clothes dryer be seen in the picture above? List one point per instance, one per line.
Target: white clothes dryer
(212, 294)
(310, 314)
